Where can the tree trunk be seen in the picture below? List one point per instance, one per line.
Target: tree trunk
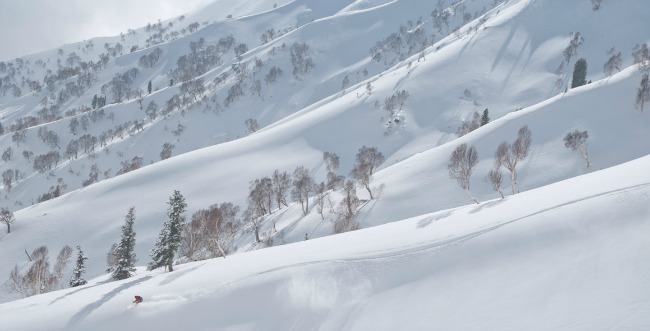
(369, 191)
(585, 156)
(513, 181)
(257, 233)
(223, 253)
(471, 196)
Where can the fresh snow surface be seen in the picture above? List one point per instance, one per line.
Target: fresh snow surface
(570, 252)
(568, 256)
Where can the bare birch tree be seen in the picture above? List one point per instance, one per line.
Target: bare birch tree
(461, 164)
(368, 159)
(332, 164)
(303, 186)
(516, 153)
(281, 186)
(577, 141)
(321, 195)
(347, 209)
(7, 217)
(495, 180)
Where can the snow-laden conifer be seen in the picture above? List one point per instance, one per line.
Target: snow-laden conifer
(124, 252)
(169, 239)
(77, 274)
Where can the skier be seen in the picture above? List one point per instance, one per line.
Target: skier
(138, 299)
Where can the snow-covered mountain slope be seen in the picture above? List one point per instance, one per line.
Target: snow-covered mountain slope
(568, 256)
(508, 59)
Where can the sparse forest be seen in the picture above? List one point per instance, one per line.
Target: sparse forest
(403, 127)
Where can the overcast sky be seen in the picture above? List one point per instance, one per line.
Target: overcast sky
(30, 26)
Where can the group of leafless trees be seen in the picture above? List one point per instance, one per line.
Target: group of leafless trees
(120, 85)
(300, 60)
(202, 58)
(54, 191)
(572, 49)
(473, 124)
(211, 232)
(8, 177)
(272, 34)
(410, 39)
(464, 158)
(150, 59)
(273, 75)
(614, 62)
(393, 104)
(86, 143)
(130, 165)
(368, 159)
(40, 277)
(301, 186)
(47, 161)
(413, 37)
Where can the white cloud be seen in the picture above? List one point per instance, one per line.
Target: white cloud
(30, 26)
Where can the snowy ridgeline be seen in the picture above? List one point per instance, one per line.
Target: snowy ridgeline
(415, 117)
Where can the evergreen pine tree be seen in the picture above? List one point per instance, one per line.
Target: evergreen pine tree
(94, 102)
(124, 252)
(579, 73)
(101, 101)
(149, 87)
(485, 119)
(79, 270)
(169, 239)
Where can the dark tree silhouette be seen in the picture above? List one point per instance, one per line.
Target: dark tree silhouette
(7, 217)
(125, 250)
(77, 274)
(579, 73)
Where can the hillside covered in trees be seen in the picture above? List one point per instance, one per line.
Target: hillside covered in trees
(308, 164)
